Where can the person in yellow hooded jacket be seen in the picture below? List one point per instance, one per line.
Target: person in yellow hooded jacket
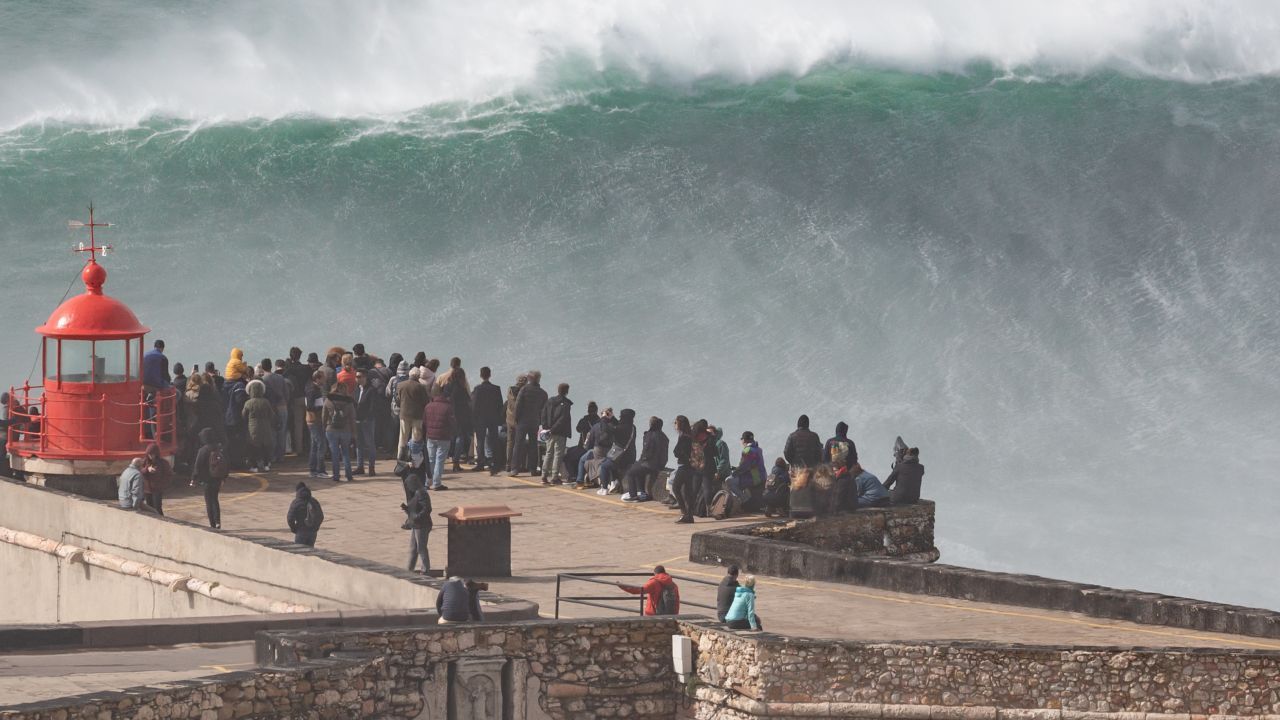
(236, 369)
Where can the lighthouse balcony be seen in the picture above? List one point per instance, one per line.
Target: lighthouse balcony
(93, 423)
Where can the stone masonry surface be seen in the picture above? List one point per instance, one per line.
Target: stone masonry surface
(1179, 681)
(902, 531)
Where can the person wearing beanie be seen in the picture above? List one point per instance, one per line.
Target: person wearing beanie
(840, 450)
(804, 447)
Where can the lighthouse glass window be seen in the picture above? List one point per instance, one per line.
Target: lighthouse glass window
(89, 361)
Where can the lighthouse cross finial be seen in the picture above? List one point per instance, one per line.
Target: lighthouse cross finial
(93, 248)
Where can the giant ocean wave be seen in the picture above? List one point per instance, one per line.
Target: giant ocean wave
(1037, 239)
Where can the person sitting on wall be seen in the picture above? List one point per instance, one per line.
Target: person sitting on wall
(742, 614)
(870, 492)
(748, 479)
(905, 480)
(725, 592)
(129, 485)
(459, 601)
(778, 489)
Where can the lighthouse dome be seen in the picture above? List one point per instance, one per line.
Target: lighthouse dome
(93, 316)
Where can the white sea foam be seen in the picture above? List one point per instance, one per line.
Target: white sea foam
(128, 61)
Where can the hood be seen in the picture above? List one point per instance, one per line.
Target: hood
(237, 354)
(207, 437)
(744, 590)
(842, 430)
(718, 434)
(303, 492)
(655, 423)
(153, 451)
(803, 422)
(664, 578)
(256, 389)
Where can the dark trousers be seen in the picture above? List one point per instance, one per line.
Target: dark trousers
(682, 488)
(260, 455)
(526, 448)
(487, 442)
(211, 505)
(637, 478)
(418, 548)
(744, 625)
(306, 537)
(705, 493)
(156, 501)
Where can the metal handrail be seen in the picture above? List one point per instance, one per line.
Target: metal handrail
(593, 600)
(162, 424)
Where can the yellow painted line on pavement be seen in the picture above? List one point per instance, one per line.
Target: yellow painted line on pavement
(1235, 639)
(589, 496)
(224, 498)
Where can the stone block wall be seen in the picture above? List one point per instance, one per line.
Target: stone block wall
(903, 531)
(758, 674)
(534, 670)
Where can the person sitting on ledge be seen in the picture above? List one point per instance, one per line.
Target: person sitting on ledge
(130, 486)
(742, 614)
(459, 601)
(725, 592)
(778, 489)
(870, 493)
(904, 481)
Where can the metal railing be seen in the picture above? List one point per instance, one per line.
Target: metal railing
(617, 602)
(30, 426)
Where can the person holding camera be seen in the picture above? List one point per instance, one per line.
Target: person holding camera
(418, 522)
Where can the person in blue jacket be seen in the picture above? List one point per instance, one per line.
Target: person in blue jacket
(742, 613)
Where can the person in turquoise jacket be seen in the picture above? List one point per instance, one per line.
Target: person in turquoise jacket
(742, 613)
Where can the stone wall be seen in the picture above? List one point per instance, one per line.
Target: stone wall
(758, 674)
(903, 531)
(514, 671)
(749, 548)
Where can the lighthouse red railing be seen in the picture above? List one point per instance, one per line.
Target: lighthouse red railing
(31, 432)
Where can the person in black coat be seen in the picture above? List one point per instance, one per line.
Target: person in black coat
(683, 483)
(304, 516)
(557, 419)
(366, 402)
(459, 601)
(418, 522)
(487, 413)
(202, 473)
(804, 447)
(653, 458)
(624, 436)
(905, 480)
(725, 592)
(529, 404)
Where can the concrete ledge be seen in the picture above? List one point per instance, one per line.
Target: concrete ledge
(781, 558)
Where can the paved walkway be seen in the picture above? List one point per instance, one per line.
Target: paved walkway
(46, 676)
(567, 531)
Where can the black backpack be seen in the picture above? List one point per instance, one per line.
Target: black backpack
(314, 515)
(667, 602)
(339, 418)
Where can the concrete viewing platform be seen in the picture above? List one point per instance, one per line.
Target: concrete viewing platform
(562, 530)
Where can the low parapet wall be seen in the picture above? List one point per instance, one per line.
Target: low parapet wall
(153, 563)
(899, 531)
(745, 547)
(747, 675)
(622, 668)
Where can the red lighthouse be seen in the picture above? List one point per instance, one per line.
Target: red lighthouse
(90, 415)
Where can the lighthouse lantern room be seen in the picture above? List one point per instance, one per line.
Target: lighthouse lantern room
(91, 413)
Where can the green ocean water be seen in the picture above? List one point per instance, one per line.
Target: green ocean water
(1059, 284)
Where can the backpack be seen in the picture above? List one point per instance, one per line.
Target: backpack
(698, 456)
(339, 418)
(839, 453)
(314, 515)
(218, 467)
(722, 505)
(667, 602)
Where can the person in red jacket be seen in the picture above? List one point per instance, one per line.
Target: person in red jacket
(439, 421)
(662, 595)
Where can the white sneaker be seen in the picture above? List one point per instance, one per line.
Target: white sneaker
(603, 491)
(253, 469)
(626, 497)
(266, 468)
(613, 487)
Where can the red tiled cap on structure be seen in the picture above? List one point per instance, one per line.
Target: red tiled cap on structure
(479, 513)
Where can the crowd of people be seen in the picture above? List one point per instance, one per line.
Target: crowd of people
(344, 411)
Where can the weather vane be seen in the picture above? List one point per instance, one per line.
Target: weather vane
(93, 248)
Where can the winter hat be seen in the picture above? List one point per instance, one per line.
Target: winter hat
(300, 486)
(403, 368)
(803, 422)
(842, 429)
(313, 358)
